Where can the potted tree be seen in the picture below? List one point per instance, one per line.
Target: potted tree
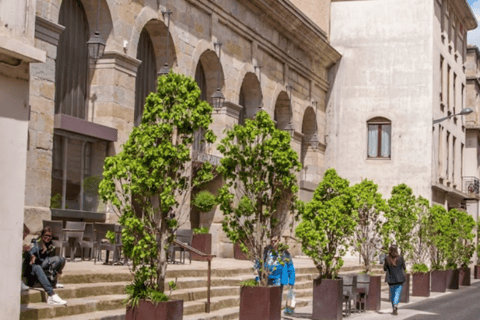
(369, 206)
(204, 201)
(147, 184)
(257, 201)
(420, 243)
(476, 273)
(401, 219)
(463, 246)
(438, 229)
(325, 232)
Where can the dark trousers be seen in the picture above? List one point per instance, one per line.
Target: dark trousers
(51, 266)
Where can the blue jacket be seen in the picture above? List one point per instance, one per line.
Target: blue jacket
(36, 251)
(279, 274)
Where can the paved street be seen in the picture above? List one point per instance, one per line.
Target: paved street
(462, 304)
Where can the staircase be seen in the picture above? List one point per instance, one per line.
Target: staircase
(99, 295)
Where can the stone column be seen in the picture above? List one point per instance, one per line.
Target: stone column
(472, 209)
(40, 127)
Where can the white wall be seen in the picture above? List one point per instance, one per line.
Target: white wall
(385, 71)
(13, 146)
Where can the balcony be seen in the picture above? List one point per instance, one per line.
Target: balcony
(471, 185)
(201, 157)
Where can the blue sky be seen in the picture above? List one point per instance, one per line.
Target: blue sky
(474, 35)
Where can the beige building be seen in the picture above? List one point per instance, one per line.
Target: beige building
(17, 52)
(273, 56)
(402, 67)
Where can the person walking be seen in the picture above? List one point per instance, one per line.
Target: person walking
(45, 265)
(395, 267)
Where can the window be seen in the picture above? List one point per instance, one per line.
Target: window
(145, 81)
(71, 65)
(454, 142)
(454, 91)
(449, 70)
(379, 138)
(448, 155)
(441, 79)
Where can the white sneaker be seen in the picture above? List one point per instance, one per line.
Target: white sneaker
(24, 286)
(59, 286)
(55, 299)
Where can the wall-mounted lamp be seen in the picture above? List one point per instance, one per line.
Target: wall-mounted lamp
(217, 97)
(166, 69)
(96, 45)
(314, 140)
(289, 126)
(464, 112)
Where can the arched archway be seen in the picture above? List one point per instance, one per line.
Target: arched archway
(282, 112)
(213, 74)
(250, 97)
(308, 130)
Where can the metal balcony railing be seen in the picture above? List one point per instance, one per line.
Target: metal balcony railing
(471, 185)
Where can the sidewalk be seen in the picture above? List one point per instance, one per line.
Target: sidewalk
(386, 308)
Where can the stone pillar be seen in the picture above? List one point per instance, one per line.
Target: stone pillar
(223, 119)
(472, 209)
(40, 127)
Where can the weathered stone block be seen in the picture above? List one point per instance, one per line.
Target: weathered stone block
(34, 217)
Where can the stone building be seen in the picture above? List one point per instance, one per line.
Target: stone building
(17, 53)
(402, 67)
(274, 56)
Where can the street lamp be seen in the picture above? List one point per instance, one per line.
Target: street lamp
(464, 112)
(217, 97)
(290, 128)
(314, 140)
(166, 69)
(96, 44)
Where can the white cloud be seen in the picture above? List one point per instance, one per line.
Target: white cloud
(474, 35)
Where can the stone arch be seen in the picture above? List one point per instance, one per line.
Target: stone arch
(250, 95)
(212, 68)
(108, 8)
(200, 48)
(282, 110)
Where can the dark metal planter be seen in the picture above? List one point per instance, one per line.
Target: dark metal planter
(464, 276)
(421, 284)
(452, 279)
(237, 253)
(374, 293)
(476, 273)
(438, 281)
(203, 243)
(146, 310)
(327, 299)
(260, 303)
(405, 296)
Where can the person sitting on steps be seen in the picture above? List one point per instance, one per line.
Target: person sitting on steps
(45, 266)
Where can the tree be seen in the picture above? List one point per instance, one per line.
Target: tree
(150, 180)
(400, 220)
(369, 206)
(439, 235)
(258, 168)
(328, 224)
(461, 242)
(420, 241)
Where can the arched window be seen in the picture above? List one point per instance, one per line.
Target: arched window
(71, 66)
(198, 144)
(379, 138)
(146, 74)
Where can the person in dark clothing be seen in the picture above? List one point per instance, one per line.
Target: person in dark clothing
(395, 267)
(45, 266)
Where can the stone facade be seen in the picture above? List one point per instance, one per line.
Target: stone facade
(402, 64)
(17, 22)
(273, 52)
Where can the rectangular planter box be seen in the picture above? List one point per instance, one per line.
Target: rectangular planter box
(146, 310)
(476, 273)
(237, 253)
(260, 303)
(327, 299)
(464, 276)
(374, 293)
(438, 281)
(405, 296)
(421, 284)
(452, 279)
(203, 243)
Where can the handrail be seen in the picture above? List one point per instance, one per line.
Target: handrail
(209, 260)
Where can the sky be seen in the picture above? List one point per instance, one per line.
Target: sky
(473, 36)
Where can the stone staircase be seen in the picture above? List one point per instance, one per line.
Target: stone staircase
(99, 296)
